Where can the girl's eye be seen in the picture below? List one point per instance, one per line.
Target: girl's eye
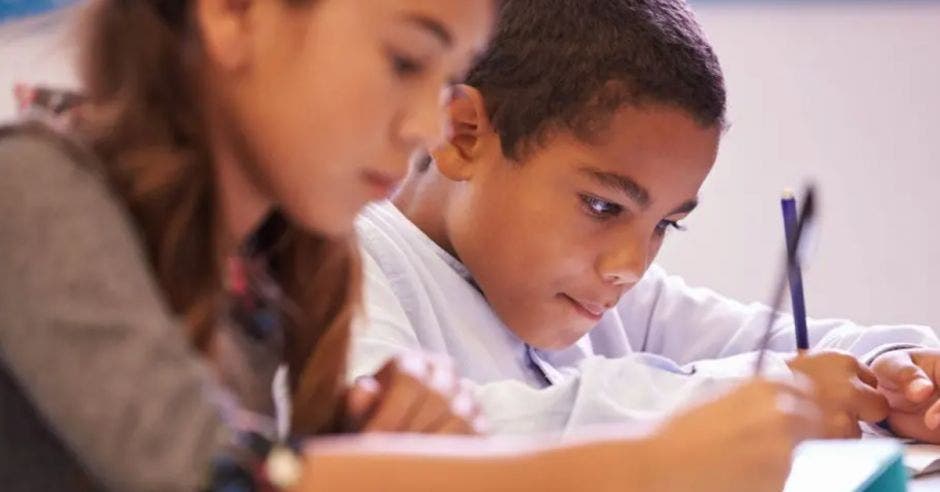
(404, 66)
(600, 209)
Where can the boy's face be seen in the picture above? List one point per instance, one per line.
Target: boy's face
(554, 241)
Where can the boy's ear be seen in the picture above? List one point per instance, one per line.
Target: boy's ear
(467, 131)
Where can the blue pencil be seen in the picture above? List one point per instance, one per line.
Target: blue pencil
(795, 274)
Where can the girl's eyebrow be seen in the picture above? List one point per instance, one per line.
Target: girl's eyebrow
(433, 26)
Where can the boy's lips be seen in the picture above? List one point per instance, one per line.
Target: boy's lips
(590, 310)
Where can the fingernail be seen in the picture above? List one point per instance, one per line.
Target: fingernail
(462, 405)
(413, 365)
(442, 381)
(933, 421)
(368, 384)
(481, 425)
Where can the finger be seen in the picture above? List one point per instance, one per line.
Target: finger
(456, 426)
(361, 400)
(865, 374)
(444, 386)
(443, 378)
(932, 416)
(396, 408)
(433, 412)
(870, 405)
(403, 394)
(480, 424)
(918, 390)
(898, 373)
(463, 413)
(414, 364)
(462, 405)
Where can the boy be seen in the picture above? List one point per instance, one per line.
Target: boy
(524, 249)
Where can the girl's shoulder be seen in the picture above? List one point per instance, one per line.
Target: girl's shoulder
(34, 150)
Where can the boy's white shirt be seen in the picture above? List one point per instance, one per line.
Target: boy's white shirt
(665, 345)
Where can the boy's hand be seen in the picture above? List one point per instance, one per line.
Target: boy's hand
(909, 380)
(413, 393)
(845, 390)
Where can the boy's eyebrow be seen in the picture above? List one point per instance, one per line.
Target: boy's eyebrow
(686, 207)
(433, 26)
(621, 183)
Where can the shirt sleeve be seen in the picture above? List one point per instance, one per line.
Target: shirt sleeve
(86, 334)
(665, 316)
(382, 330)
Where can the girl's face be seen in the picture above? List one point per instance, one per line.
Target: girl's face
(323, 101)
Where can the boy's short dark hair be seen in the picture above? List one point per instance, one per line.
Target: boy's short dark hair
(570, 64)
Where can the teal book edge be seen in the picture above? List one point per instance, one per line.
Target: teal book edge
(892, 479)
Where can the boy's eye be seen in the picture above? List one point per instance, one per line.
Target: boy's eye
(665, 225)
(404, 66)
(600, 209)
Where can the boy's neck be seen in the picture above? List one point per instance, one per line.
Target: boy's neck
(422, 198)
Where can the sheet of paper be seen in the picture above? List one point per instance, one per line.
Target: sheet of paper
(921, 459)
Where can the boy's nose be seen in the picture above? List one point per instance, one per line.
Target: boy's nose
(624, 265)
(622, 277)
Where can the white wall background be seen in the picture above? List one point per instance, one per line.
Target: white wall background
(36, 49)
(848, 94)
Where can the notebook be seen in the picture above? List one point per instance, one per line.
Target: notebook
(875, 465)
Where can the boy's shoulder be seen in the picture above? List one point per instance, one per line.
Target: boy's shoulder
(398, 246)
(383, 235)
(401, 262)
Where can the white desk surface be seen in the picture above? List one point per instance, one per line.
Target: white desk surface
(929, 483)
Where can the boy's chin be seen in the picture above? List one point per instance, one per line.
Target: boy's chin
(559, 339)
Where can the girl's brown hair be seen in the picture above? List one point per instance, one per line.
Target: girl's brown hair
(142, 118)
